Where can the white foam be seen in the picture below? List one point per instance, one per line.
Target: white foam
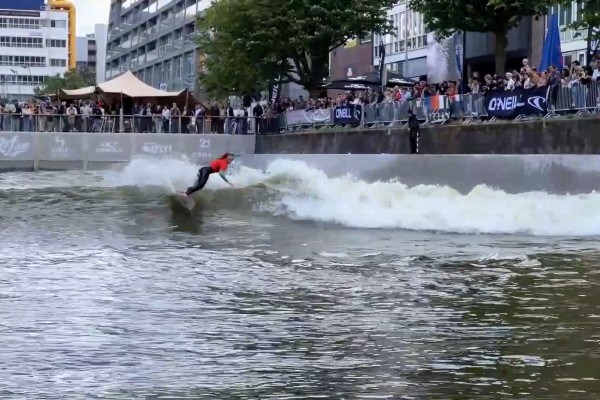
(307, 193)
(173, 174)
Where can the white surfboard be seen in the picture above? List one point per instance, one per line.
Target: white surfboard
(185, 200)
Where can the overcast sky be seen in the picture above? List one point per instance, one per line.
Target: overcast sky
(90, 13)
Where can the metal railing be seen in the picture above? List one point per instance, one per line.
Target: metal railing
(576, 98)
(137, 124)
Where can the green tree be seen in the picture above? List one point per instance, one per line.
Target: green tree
(249, 43)
(70, 80)
(446, 17)
(588, 21)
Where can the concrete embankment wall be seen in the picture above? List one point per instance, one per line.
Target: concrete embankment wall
(554, 173)
(553, 136)
(44, 150)
(558, 174)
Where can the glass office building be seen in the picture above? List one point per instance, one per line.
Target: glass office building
(155, 40)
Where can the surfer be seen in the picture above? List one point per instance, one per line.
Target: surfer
(217, 166)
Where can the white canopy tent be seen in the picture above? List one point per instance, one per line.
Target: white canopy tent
(128, 85)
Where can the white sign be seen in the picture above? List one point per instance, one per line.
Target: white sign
(163, 87)
(537, 102)
(12, 147)
(156, 148)
(109, 147)
(504, 104)
(202, 144)
(60, 149)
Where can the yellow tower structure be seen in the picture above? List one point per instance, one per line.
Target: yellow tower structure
(70, 8)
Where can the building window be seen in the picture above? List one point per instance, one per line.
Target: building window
(410, 34)
(28, 42)
(566, 15)
(189, 64)
(20, 23)
(58, 23)
(25, 80)
(28, 61)
(56, 43)
(58, 62)
(178, 68)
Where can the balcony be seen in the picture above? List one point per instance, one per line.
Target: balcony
(165, 50)
(180, 16)
(152, 55)
(166, 25)
(190, 39)
(178, 44)
(153, 30)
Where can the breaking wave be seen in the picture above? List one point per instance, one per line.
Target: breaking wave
(301, 192)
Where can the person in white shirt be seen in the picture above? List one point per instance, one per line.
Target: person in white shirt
(166, 119)
(71, 114)
(86, 111)
(510, 83)
(596, 75)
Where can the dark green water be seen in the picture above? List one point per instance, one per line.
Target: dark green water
(118, 293)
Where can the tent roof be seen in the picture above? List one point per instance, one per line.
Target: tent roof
(126, 84)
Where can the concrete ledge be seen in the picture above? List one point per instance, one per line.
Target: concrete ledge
(553, 136)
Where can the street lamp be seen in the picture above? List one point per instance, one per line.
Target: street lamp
(18, 84)
(28, 67)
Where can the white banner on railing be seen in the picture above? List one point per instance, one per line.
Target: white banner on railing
(299, 117)
(107, 147)
(17, 146)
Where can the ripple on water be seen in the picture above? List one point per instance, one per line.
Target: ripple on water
(111, 293)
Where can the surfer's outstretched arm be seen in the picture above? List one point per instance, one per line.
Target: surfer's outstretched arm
(222, 175)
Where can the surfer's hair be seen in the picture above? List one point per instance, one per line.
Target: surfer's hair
(225, 155)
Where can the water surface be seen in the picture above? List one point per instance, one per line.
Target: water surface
(110, 290)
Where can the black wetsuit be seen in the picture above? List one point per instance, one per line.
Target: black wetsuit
(203, 175)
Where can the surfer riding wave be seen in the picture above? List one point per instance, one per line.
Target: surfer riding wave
(218, 166)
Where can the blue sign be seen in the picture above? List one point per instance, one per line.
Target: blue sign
(520, 101)
(350, 114)
(33, 5)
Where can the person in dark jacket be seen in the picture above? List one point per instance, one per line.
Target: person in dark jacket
(257, 112)
(413, 126)
(229, 120)
(215, 114)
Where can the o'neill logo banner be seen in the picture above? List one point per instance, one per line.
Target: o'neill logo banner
(344, 115)
(520, 101)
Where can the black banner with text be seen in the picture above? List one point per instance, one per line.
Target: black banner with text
(520, 101)
(351, 114)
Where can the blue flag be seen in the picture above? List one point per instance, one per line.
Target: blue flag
(551, 52)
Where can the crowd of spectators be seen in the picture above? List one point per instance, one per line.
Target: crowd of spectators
(526, 77)
(97, 116)
(529, 77)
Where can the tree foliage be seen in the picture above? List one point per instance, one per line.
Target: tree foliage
(447, 17)
(70, 80)
(588, 21)
(251, 42)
